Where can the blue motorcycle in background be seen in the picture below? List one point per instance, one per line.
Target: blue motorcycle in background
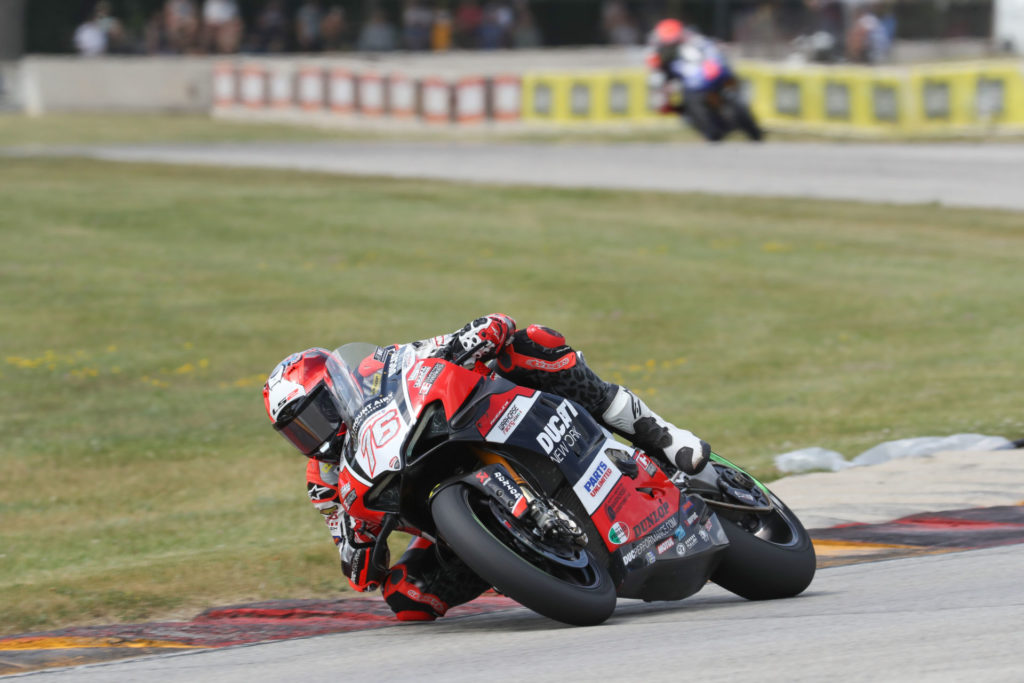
(711, 97)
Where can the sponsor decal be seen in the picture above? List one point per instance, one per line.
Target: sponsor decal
(647, 541)
(595, 484)
(558, 429)
(551, 366)
(511, 417)
(687, 506)
(645, 462)
(680, 533)
(680, 549)
(349, 499)
(638, 549)
(318, 492)
(393, 464)
(616, 499)
(691, 520)
(708, 525)
(368, 409)
(345, 488)
(380, 353)
(666, 544)
(421, 371)
(329, 512)
(690, 542)
(598, 478)
(483, 477)
(704, 535)
(648, 522)
(649, 558)
(425, 383)
(619, 533)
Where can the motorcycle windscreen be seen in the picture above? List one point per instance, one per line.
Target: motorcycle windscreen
(347, 385)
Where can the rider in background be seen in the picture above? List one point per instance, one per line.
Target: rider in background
(674, 48)
(419, 587)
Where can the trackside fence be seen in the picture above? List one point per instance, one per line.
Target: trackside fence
(920, 99)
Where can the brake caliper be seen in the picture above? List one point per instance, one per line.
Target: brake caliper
(554, 524)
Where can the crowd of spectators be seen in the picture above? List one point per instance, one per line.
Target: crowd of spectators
(219, 27)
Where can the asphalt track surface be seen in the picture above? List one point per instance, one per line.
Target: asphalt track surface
(988, 175)
(953, 617)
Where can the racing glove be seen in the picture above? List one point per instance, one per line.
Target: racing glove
(482, 339)
(355, 549)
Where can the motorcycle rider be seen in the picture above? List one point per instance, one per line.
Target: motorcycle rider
(674, 47)
(420, 586)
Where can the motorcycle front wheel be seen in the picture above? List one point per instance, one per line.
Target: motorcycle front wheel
(571, 588)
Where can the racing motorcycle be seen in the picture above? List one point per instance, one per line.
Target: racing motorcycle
(540, 500)
(707, 92)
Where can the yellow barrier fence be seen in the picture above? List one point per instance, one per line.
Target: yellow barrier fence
(925, 99)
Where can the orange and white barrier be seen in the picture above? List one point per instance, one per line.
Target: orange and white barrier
(470, 99)
(281, 86)
(224, 85)
(436, 100)
(254, 86)
(401, 96)
(506, 97)
(342, 88)
(311, 88)
(371, 94)
(341, 91)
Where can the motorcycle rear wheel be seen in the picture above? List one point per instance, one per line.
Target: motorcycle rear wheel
(583, 596)
(770, 554)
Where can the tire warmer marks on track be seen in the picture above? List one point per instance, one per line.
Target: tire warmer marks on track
(920, 534)
(214, 628)
(927, 533)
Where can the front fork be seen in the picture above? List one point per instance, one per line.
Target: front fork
(550, 520)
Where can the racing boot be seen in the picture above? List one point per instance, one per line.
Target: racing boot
(629, 416)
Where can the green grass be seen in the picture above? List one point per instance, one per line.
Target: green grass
(103, 128)
(142, 307)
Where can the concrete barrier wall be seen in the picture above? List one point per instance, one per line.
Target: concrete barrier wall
(160, 84)
(154, 84)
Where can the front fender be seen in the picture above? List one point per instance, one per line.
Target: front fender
(496, 482)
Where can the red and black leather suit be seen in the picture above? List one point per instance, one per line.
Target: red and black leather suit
(422, 585)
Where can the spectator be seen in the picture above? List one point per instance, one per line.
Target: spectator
(100, 34)
(416, 25)
(492, 31)
(181, 22)
(222, 26)
(441, 31)
(525, 33)
(468, 18)
(308, 22)
(272, 28)
(154, 35)
(377, 34)
(867, 41)
(333, 29)
(619, 27)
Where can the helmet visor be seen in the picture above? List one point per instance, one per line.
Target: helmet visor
(313, 421)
